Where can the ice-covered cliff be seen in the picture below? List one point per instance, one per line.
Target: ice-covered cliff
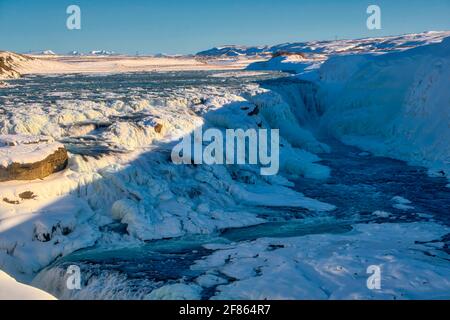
(386, 95)
(397, 104)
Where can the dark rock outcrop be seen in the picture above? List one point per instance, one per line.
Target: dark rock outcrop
(37, 170)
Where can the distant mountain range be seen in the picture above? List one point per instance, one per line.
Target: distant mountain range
(379, 44)
(102, 53)
(76, 53)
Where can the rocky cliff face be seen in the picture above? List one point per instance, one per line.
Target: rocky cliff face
(9, 62)
(37, 170)
(30, 158)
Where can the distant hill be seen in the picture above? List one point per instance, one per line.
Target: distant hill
(102, 53)
(234, 51)
(9, 62)
(379, 44)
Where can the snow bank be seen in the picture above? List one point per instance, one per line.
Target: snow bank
(388, 96)
(177, 291)
(307, 57)
(10, 289)
(41, 221)
(395, 104)
(292, 64)
(334, 266)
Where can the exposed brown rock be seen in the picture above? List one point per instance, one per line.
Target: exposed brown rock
(38, 170)
(158, 128)
(27, 195)
(11, 201)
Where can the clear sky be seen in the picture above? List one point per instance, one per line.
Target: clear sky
(188, 26)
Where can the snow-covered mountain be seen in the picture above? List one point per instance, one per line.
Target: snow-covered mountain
(102, 53)
(379, 44)
(75, 53)
(234, 51)
(92, 53)
(47, 53)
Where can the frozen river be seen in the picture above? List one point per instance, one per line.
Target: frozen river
(387, 213)
(360, 185)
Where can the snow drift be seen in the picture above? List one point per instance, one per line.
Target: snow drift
(10, 289)
(396, 104)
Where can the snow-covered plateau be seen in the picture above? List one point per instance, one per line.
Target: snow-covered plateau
(364, 162)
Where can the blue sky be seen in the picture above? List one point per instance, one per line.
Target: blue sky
(188, 26)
